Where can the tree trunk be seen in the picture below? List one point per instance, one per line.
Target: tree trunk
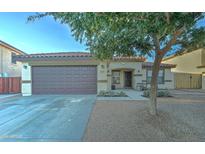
(154, 85)
(159, 54)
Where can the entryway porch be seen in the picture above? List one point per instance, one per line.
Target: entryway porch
(122, 79)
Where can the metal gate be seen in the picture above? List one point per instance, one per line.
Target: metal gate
(188, 81)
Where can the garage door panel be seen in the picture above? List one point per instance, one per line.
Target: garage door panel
(64, 80)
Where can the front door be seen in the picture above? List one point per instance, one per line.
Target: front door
(128, 79)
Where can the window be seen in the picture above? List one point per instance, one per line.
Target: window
(116, 77)
(13, 59)
(160, 78)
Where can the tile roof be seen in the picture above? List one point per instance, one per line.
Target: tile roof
(163, 65)
(134, 59)
(83, 56)
(56, 56)
(71, 56)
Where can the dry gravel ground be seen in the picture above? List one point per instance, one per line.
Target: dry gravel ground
(180, 118)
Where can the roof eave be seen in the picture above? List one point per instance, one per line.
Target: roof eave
(202, 66)
(160, 67)
(8, 46)
(27, 59)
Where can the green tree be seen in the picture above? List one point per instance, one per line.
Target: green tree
(130, 34)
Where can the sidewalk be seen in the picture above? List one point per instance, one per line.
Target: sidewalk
(4, 96)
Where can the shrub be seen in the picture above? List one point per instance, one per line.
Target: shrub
(104, 93)
(160, 93)
(146, 93)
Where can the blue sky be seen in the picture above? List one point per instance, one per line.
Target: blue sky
(44, 35)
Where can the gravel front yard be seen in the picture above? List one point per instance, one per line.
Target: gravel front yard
(179, 119)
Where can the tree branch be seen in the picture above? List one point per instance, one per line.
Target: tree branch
(156, 42)
(167, 14)
(173, 40)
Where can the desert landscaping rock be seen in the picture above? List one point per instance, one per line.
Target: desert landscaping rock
(178, 119)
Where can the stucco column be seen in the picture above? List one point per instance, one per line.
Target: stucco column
(26, 87)
(138, 74)
(203, 81)
(102, 80)
(109, 79)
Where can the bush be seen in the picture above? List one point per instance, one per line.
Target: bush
(146, 93)
(160, 93)
(104, 93)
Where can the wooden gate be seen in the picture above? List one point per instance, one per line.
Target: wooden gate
(188, 81)
(10, 85)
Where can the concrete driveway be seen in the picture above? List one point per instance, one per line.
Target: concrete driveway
(45, 117)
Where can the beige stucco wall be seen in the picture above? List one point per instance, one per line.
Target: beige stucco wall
(122, 79)
(102, 78)
(135, 67)
(6, 66)
(203, 81)
(203, 56)
(168, 79)
(187, 63)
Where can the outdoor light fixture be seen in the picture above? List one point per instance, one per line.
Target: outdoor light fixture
(25, 67)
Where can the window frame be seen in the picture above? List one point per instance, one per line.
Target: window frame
(13, 61)
(116, 77)
(163, 77)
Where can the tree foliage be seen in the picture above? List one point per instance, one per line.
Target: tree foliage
(127, 34)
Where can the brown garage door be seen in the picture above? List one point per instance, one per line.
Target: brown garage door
(64, 80)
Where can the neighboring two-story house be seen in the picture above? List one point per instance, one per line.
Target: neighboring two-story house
(189, 70)
(9, 67)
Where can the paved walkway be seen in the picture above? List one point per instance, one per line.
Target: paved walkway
(3, 96)
(132, 95)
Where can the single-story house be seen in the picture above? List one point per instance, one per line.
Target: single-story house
(81, 73)
(190, 69)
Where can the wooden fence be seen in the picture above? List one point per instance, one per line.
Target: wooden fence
(188, 81)
(10, 85)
